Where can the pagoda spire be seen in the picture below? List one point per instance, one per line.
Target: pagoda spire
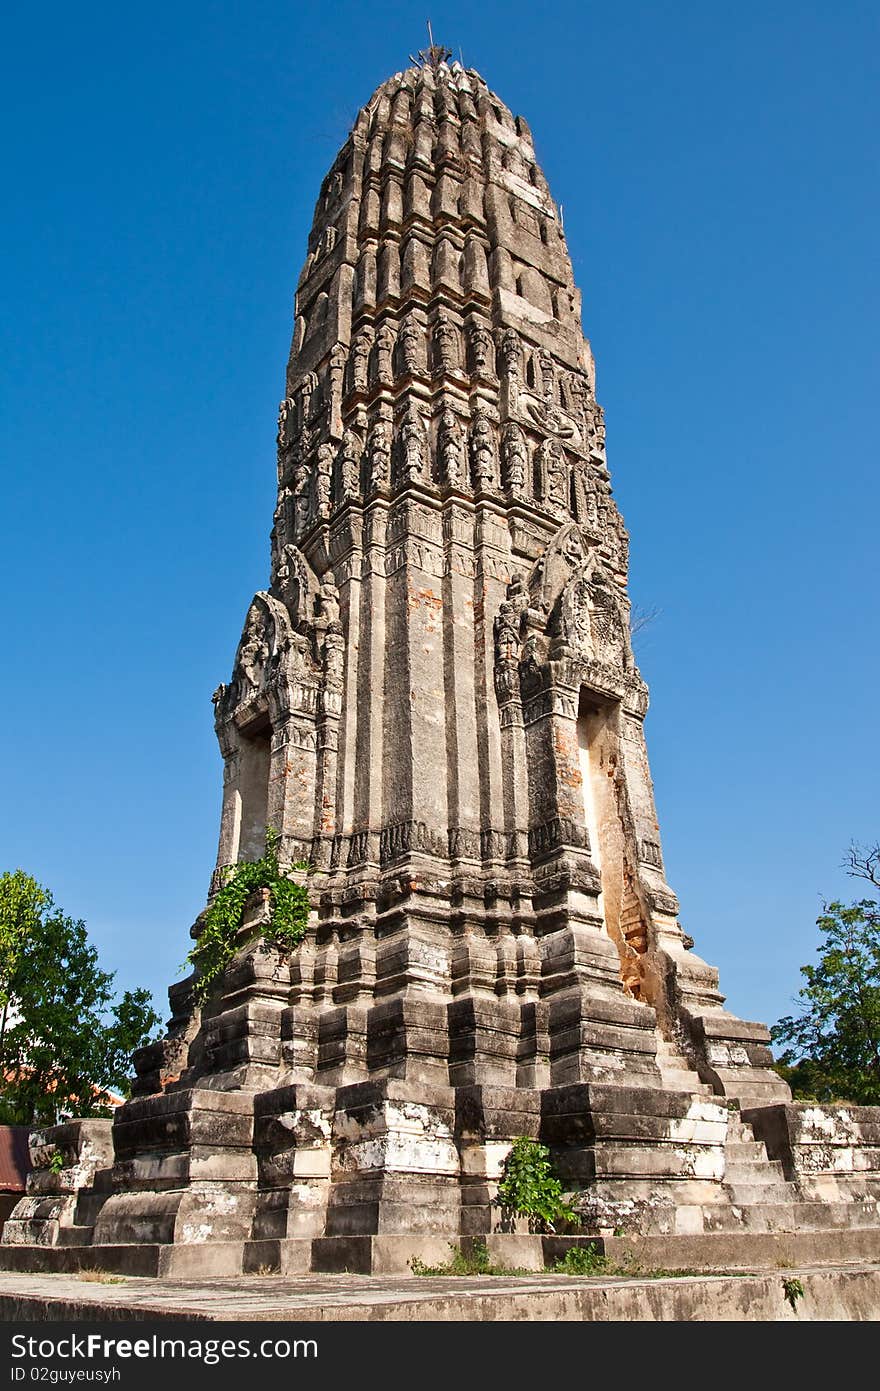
(433, 55)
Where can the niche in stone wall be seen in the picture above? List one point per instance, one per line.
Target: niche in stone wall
(253, 791)
(599, 755)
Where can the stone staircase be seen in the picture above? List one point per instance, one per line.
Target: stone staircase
(80, 1231)
(676, 1072)
(762, 1199)
(750, 1176)
(671, 1173)
(757, 1197)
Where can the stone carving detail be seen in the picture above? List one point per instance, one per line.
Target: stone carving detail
(482, 450)
(552, 474)
(514, 458)
(650, 854)
(361, 349)
(301, 500)
(358, 848)
(463, 844)
(350, 467)
(446, 345)
(588, 499)
(511, 354)
(307, 392)
(549, 419)
(413, 446)
(575, 614)
(508, 634)
(411, 346)
(592, 623)
(270, 648)
(334, 661)
(450, 445)
(326, 243)
(610, 628)
(547, 374)
(292, 583)
(324, 480)
(618, 541)
(549, 835)
(598, 447)
(336, 382)
(407, 836)
(481, 349)
(328, 602)
(582, 397)
(336, 368)
(384, 354)
(379, 454)
(286, 422)
(566, 554)
(254, 653)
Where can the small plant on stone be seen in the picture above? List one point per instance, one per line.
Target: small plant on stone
(589, 1260)
(581, 1260)
(793, 1291)
(476, 1261)
(218, 939)
(530, 1188)
(56, 1163)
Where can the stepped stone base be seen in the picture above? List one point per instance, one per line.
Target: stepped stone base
(369, 1176)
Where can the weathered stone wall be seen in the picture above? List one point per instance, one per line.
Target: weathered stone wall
(66, 1160)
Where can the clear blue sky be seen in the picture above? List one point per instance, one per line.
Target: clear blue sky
(718, 171)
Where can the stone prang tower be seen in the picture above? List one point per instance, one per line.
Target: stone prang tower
(435, 703)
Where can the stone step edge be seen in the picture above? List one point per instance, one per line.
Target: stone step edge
(141, 1258)
(850, 1294)
(393, 1253)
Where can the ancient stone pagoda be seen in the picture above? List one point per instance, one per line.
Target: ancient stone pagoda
(435, 703)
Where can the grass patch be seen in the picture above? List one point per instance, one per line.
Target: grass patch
(587, 1260)
(100, 1277)
(582, 1260)
(477, 1261)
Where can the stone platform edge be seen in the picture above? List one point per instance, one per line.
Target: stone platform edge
(846, 1294)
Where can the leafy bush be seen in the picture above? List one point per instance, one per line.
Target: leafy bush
(530, 1188)
(218, 940)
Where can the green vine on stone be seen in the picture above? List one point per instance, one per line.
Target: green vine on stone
(221, 925)
(530, 1187)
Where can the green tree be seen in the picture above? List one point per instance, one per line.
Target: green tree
(832, 1046)
(64, 1039)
